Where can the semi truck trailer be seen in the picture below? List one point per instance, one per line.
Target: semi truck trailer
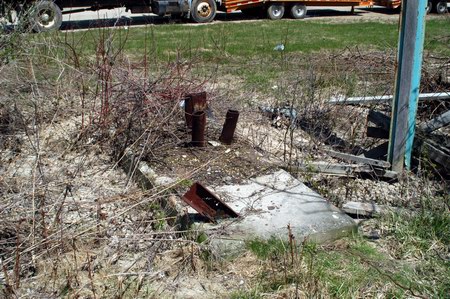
(45, 15)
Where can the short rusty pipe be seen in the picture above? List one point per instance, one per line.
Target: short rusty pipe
(198, 129)
(192, 103)
(198, 101)
(229, 126)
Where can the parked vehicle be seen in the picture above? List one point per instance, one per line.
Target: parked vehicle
(45, 15)
(438, 6)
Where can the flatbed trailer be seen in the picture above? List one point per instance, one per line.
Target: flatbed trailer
(232, 5)
(45, 15)
(438, 6)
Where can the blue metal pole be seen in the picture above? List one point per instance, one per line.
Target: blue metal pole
(404, 107)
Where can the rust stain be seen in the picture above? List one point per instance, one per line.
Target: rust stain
(229, 126)
(198, 129)
(192, 103)
(207, 203)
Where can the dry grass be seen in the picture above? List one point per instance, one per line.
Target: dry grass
(73, 224)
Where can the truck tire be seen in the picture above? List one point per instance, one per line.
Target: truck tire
(203, 11)
(298, 11)
(441, 7)
(429, 6)
(45, 16)
(275, 11)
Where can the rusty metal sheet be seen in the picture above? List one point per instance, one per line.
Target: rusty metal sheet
(207, 203)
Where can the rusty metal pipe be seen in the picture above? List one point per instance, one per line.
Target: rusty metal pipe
(198, 129)
(188, 111)
(192, 103)
(229, 126)
(199, 101)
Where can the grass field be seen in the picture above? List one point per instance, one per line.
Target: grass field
(228, 42)
(246, 50)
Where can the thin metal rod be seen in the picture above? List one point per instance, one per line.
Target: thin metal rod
(385, 98)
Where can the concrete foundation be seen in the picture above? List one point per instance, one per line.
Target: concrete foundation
(266, 206)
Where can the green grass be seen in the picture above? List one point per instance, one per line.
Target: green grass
(353, 268)
(251, 294)
(420, 230)
(344, 273)
(425, 232)
(409, 260)
(266, 249)
(243, 50)
(229, 42)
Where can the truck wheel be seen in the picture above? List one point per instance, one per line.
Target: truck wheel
(441, 7)
(298, 11)
(429, 6)
(203, 11)
(275, 11)
(45, 16)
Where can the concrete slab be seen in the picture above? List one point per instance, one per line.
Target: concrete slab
(364, 209)
(269, 203)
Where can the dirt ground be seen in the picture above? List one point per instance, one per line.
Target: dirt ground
(74, 224)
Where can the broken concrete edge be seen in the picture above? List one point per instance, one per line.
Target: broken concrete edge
(230, 248)
(133, 169)
(367, 209)
(269, 204)
(221, 244)
(145, 178)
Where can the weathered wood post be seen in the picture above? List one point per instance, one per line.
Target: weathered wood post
(404, 107)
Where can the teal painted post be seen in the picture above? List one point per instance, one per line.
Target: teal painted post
(407, 83)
